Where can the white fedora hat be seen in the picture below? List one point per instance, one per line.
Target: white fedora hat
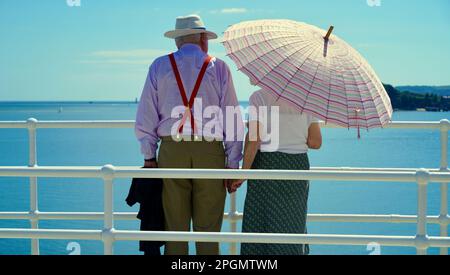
(191, 24)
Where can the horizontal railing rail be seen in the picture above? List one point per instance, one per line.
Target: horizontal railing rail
(319, 239)
(422, 177)
(289, 175)
(131, 216)
(109, 173)
(117, 124)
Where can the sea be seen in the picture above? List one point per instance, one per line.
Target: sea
(389, 148)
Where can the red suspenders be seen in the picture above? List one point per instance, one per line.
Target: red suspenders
(188, 104)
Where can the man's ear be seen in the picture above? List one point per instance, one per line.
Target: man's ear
(204, 42)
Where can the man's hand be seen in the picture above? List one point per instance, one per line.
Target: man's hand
(150, 164)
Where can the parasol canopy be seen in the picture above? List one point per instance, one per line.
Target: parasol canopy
(312, 69)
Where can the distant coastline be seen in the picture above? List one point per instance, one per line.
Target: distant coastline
(413, 101)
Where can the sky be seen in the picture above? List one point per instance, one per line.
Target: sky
(101, 49)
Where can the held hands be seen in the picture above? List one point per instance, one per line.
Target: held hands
(234, 185)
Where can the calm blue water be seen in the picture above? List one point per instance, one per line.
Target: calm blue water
(377, 148)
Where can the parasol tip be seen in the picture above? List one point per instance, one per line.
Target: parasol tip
(330, 30)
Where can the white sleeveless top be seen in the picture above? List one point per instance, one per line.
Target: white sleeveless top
(286, 132)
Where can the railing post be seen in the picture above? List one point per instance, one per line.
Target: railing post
(32, 162)
(233, 222)
(443, 218)
(421, 237)
(108, 227)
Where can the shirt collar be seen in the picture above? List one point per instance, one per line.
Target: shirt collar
(190, 48)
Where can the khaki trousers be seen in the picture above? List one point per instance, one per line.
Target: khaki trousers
(199, 200)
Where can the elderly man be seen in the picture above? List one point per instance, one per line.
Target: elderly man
(197, 87)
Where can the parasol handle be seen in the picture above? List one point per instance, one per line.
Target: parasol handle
(330, 30)
(357, 122)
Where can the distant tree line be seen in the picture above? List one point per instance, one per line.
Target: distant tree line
(413, 101)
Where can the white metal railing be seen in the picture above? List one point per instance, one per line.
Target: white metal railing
(108, 173)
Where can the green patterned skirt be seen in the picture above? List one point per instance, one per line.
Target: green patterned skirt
(274, 206)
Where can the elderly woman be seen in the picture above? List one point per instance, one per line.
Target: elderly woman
(274, 206)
